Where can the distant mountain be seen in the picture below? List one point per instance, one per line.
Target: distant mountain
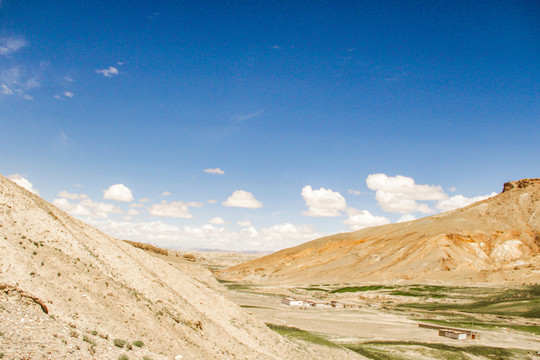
(68, 291)
(495, 240)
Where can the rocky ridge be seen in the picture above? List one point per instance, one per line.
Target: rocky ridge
(494, 240)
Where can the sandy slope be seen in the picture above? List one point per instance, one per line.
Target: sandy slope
(495, 240)
(68, 280)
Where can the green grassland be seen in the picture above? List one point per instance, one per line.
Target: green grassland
(394, 350)
(300, 334)
(522, 302)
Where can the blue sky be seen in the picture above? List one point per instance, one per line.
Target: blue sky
(309, 117)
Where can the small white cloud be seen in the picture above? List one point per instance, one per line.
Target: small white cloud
(87, 208)
(323, 202)
(275, 47)
(215, 171)
(15, 82)
(144, 200)
(406, 217)
(244, 223)
(354, 192)
(246, 117)
(175, 209)
(166, 193)
(132, 212)
(23, 182)
(72, 196)
(359, 219)
(217, 221)
(6, 90)
(64, 140)
(10, 45)
(118, 192)
(69, 94)
(110, 72)
(401, 194)
(244, 199)
(459, 201)
(212, 201)
(452, 189)
(291, 232)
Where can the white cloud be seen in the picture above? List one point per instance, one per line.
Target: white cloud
(359, 219)
(460, 201)
(249, 116)
(401, 194)
(87, 208)
(406, 217)
(6, 90)
(72, 196)
(166, 193)
(69, 94)
(207, 236)
(294, 233)
(217, 221)
(212, 201)
(144, 200)
(215, 171)
(14, 82)
(400, 203)
(10, 45)
(110, 72)
(354, 192)
(176, 209)
(244, 199)
(323, 202)
(118, 192)
(132, 212)
(244, 223)
(23, 182)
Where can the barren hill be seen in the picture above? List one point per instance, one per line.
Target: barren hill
(69, 291)
(495, 240)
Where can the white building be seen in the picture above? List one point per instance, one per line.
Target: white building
(453, 334)
(292, 302)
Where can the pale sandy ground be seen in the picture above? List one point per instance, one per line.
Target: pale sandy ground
(365, 324)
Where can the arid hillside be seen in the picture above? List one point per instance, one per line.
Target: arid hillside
(495, 240)
(68, 291)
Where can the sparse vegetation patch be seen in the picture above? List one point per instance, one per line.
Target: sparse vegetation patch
(296, 333)
(359, 288)
(120, 343)
(383, 349)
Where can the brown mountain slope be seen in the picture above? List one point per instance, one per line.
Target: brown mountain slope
(67, 291)
(497, 239)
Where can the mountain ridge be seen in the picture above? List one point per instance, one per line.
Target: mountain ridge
(493, 240)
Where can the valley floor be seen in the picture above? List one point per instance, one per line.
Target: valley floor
(379, 328)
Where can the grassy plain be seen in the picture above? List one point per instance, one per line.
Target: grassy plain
(383, 320)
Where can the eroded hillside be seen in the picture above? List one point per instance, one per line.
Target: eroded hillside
(69, 291)
(495, 240)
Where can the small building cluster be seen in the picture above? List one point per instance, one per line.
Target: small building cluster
(310, 303)
(453, 333)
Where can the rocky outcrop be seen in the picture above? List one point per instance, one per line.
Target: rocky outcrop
(521, 184)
